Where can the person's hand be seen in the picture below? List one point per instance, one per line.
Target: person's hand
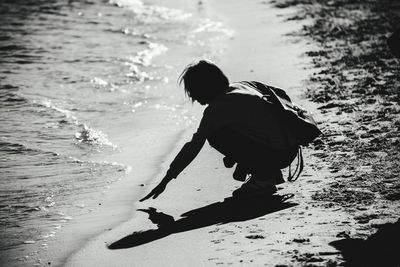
(157, 190)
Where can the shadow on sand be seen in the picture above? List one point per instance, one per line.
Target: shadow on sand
(230, 210)
(380, 249)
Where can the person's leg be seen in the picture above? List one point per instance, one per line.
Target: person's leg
(240, 172)
(263, 163)
(266, 173)
(269, 168)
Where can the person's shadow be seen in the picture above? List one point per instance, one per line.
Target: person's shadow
(230, 210)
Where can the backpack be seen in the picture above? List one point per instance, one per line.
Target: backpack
(298, 121)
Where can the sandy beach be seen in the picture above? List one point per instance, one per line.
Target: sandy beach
(195, 222)
(257, 51)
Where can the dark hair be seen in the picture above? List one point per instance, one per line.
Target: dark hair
(203, 80)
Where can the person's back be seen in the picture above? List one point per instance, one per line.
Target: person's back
(246, 113)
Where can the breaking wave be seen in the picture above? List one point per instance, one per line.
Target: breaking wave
(92, 136)
(143, 59)
(85, 134)
(151, 13)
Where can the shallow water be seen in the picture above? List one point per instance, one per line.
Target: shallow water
(75, 79)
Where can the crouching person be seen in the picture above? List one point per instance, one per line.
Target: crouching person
(239, 124)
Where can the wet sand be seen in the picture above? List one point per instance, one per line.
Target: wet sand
(196, 223)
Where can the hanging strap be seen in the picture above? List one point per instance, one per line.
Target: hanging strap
(299, 167)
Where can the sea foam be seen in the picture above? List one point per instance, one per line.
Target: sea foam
(151, 13)
(89, 135)
(86, 134)
(143, 58)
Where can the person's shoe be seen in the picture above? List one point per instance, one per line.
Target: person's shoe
(254, 188)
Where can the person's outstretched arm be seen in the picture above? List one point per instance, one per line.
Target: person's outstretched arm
(188, 152)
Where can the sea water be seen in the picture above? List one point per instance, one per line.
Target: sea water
(80, 81)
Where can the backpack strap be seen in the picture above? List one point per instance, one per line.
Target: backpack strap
(299, 167)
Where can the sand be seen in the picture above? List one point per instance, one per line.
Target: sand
(250, 233)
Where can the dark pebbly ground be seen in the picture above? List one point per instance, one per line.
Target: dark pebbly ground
(356, 87)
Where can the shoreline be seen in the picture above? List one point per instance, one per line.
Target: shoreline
(301, 233)
(116, 208)
(118, 202)
(188, 191)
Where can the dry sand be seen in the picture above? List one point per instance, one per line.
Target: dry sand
(199, 224)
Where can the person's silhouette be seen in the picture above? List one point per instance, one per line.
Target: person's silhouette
(239, 124)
